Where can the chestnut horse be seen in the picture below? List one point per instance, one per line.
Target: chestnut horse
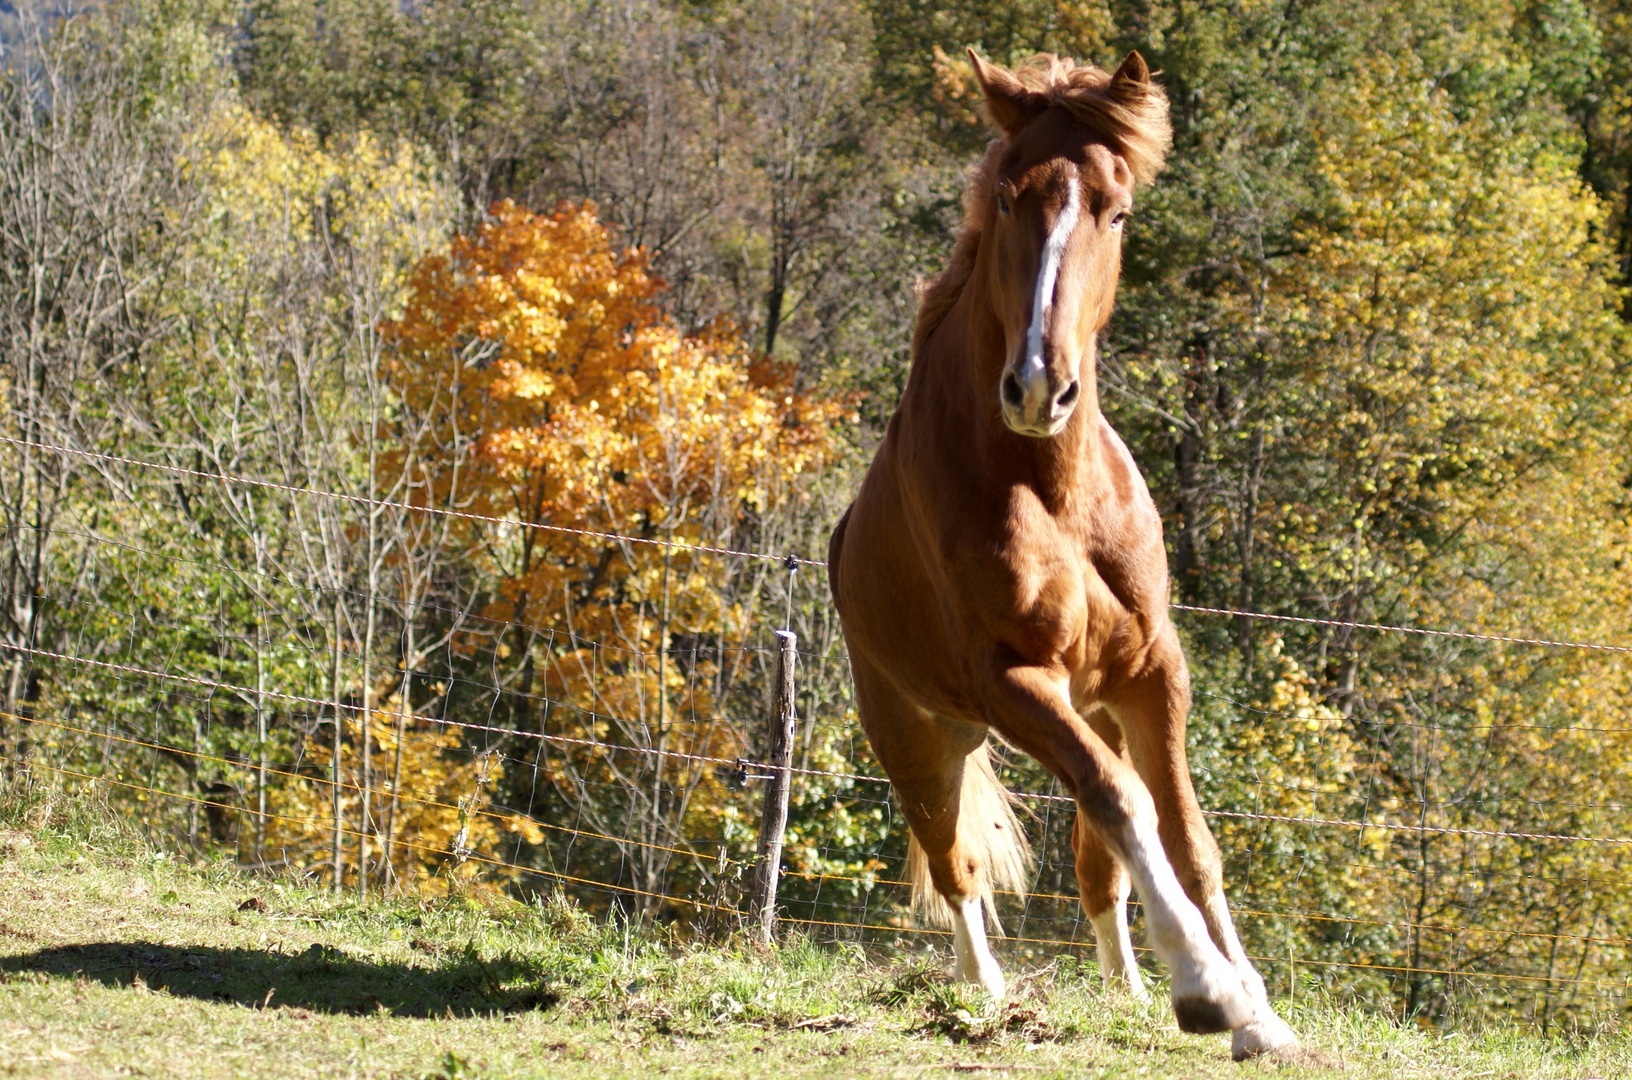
(1002, 566)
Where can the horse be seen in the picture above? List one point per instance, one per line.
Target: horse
(1002, 569)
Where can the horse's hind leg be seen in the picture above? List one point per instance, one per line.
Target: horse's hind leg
(1152, 711)
(1104, 886)
(948, 794)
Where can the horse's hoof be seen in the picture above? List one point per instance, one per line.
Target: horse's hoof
(992, 982)
(989, 977)
(1265, 1034)
(1213, 1005)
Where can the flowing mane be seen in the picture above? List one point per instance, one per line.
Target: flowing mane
(1131, 118)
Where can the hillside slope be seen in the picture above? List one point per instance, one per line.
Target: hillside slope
(115, 960)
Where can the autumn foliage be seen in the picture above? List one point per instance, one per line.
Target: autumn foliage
(547, 389)
(558, 392)
(1370, 352)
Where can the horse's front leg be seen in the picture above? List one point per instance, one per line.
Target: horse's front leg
(1030, 706)
(1151, 710)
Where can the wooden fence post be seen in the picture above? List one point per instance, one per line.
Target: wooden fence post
(779, 756)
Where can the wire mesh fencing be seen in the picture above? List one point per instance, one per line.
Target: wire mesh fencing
(377, 734)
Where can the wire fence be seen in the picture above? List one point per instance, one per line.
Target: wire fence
(569, 773)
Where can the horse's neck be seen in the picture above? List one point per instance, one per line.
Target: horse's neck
(966, 359)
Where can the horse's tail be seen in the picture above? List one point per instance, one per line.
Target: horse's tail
(988, 835)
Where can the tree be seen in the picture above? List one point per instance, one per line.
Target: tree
(88, 189)
(1458, 324)
(1371, 391)
(555, 396)
(237, 274)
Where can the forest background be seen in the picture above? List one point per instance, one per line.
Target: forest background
(647, 269)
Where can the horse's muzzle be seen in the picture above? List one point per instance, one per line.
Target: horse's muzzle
(1034, 403)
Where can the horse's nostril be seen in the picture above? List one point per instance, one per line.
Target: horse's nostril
(1068, 398)
(1013, 395)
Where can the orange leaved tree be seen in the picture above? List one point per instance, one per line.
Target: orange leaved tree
(544, 388)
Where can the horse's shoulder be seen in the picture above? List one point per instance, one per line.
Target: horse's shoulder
(1123, 471)
(1126, 544)
(835, 552)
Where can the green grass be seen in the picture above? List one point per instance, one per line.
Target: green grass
(117, 960)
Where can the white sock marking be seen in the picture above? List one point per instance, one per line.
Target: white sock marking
(1117, 965)
(975, 961)
(1177, 930)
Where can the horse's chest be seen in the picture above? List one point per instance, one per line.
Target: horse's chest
(1038, 593)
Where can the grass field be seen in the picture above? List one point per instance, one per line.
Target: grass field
(116, 960)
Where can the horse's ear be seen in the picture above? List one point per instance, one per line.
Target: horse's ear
(1010, 105)
(1132, 78)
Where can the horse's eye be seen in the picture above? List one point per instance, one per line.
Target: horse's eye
(1002, 204)
(1116, 222)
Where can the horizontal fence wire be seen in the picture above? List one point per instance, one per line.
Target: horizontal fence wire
(854, 869)
(406, 794)
(903, 928)
(741, 762)
(786, 559)
(386, 599)
(1460, 634)
(1417, 725)
(1301, 916)
(1357, 965)
(387, 504)
(200, 800)
(551, 638)
(1339, 823)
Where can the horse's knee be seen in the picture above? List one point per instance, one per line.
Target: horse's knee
(1113, 800)
(955, 873)
(1197, 863)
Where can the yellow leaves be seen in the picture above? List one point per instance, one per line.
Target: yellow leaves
(439, 805)
(524, 384)
(1455, 314)
(527, 829)
(268, 187)
(586, 376)
(1295, 695)
(956, 90)
(544, 382)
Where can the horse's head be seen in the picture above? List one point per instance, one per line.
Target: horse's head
(1076, 141)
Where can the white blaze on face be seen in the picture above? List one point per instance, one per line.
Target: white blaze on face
(1032, 372)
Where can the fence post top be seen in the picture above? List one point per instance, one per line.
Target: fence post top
(787, 638)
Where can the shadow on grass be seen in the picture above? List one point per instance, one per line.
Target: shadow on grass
(320, 979)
